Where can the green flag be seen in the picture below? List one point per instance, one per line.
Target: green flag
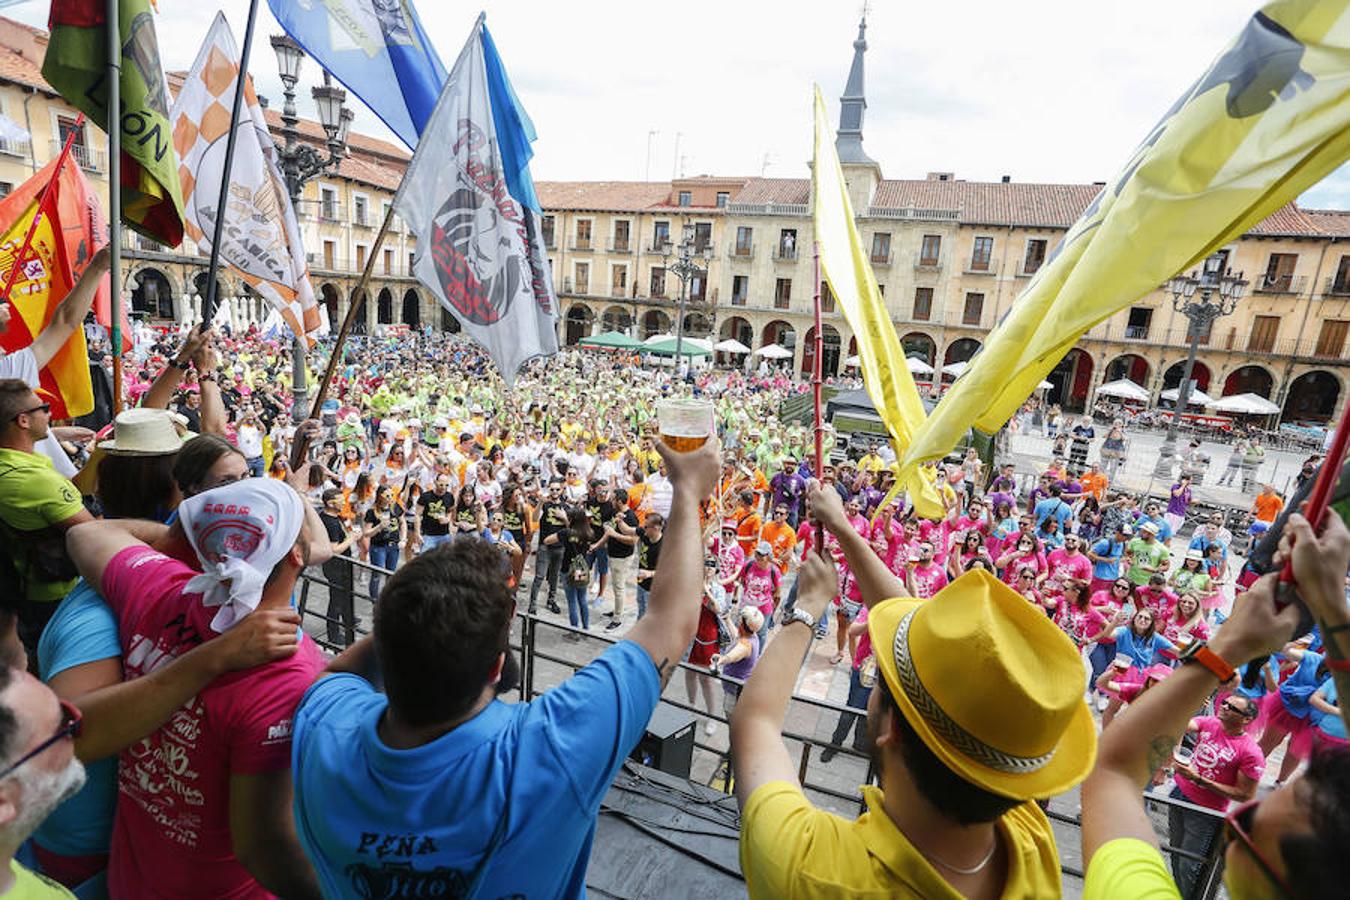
(77, 65)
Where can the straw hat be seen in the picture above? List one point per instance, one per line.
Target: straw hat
(1019, 728)
(146, 432)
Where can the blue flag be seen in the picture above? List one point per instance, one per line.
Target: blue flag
(469, 199)
(378, 50)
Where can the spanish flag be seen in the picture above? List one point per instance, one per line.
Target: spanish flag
(43, 280)
(1267, 120)
(849, 274)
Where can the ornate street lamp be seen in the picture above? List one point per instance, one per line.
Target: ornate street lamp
(1200, 315)
(301, 163)
(690, 262)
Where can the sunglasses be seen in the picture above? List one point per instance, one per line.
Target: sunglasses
(71, 721)
(41, 407)
(1238, 826)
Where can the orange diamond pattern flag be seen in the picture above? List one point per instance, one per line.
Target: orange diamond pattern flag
(261, 240)
(43, 281)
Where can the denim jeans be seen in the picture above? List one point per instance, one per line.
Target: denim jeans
(432, 541)
(255, 466)
(386, 557)
(857, 699)
(547, 564)
(1193, 831)
(642, 594)
(577, 607)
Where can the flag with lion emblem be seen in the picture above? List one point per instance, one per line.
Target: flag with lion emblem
(261, 240)
(469, 198)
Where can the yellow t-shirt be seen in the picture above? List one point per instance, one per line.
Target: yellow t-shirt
(1128, 867)
(33, 498)
(790, 849)
(30, 885)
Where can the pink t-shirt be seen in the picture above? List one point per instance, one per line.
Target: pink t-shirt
(1018, 563)
(172, 831)
(730, 559)
(1220, 756)
(759, 586)
(1079, 624)
(928, 579)
(865, 642)
(1063, 566)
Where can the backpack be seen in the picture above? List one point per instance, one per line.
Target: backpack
(579, 572)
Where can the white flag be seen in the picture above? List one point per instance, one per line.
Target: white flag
(468, 197)
(261, 240)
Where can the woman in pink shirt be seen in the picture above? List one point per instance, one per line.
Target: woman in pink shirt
(1186, 624)
(1079, 619)
(970, 546)
(1022, 555)
(730, 556)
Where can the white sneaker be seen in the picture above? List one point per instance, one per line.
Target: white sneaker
(710, 728)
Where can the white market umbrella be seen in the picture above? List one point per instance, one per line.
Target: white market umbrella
(658, 338)
(918, 366)
(773, 351)
(852, 361)
(955, 369)
(1123, 388)
(1044, 386)
(1197, 397)
(1251, 404)
(731, 345)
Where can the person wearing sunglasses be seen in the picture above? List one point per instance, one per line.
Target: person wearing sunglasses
(1290, 843)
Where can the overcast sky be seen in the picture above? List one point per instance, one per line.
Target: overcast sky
(1044, 91)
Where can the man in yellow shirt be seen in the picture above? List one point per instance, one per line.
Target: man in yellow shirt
(961, 756)
(1291, 843)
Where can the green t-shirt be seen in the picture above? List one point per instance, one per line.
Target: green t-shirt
(33, 496)
(29, 885)
(1150, 554)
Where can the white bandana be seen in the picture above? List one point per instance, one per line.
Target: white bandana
(239, 532)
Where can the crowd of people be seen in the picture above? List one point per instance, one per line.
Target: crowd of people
(174, 688)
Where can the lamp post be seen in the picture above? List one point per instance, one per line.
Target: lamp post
(1200, 315)
(301, 163)
(690, 262)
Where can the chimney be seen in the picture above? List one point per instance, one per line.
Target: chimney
(941, 176)
(1006, 179)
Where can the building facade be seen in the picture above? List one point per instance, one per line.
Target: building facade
(951, 256)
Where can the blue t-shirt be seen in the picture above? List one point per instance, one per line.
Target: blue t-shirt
(1258, 690)
(83, 630)
(1328, 724)
(1053, 506)
(1141, 650)
(1299, 686)
(1113, 550)
(1164, 528)
(378, 822)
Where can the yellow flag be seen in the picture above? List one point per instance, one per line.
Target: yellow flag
(849, 274)
(1267, 120)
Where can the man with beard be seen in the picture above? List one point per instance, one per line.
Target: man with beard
(38, 771)
(954, 814)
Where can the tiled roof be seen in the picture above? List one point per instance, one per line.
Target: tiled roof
(1287, 220)
(1335, 222)
(760, 191)
(17, 65)
(992, 203)
(602, 196)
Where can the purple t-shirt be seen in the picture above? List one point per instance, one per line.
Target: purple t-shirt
(1179, 500)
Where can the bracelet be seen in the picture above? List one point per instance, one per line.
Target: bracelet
(180, 366)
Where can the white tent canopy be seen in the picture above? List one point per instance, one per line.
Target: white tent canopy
(773, 351)
(852, 361)
(697, 342)
(731, 345)
(918, 366)
(1251, 404)
(954, 369)
(1124, 389)
(1197, 397)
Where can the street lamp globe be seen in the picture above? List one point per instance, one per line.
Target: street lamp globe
(328, 99)
(289, 56)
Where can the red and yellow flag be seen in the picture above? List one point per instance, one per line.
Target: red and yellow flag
(43, 281)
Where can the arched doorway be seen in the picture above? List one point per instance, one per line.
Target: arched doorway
(359, 323)
(328, 296)
(152, 296)
(696, 324)
(579, 319)
(616, 318)
(1313, 396)
(654, 322)
(918, 345)
(830, 346)
(781, 333)
(1249, 380)
(1071, 380)
(1200, 375)
(449, 324)
(384, 307)
(1131, 366)
(412, 309)
(960, 351)
(737, 329)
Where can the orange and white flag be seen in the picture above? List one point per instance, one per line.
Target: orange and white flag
(261, 240)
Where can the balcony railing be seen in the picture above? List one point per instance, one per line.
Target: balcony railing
(927, 263)
(1026, 271)
(741, 251)
(738, 299)
(1280, 284)
(1337, 286)
(780, 302)
(882, 259)
(1136, 332)
(783, 253)
(87, 158)
(581, 244)
(981, 267)
(660, 244)
(16, 147)
(620, 246)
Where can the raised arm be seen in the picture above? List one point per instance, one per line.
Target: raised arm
(70, 314)
(672, 610)
(875, 581)
(1320, 564)
(161, 392)
(212, 411)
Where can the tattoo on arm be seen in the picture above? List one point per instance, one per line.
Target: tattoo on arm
(1160, 751)
(664, 671)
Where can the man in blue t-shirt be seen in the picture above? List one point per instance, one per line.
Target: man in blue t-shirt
(1106, 555)
(1053, 506)
(437, 788)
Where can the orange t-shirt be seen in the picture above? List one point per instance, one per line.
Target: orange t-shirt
(747, 531)
(782, 538)
(1094, 484)
(1267, 507)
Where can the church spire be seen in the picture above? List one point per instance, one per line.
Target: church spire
(852, 105)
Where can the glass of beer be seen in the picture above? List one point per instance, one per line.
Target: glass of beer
(684, 425)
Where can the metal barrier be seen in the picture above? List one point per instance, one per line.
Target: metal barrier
(526, 642)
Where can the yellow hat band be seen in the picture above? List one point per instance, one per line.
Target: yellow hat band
(961, 740)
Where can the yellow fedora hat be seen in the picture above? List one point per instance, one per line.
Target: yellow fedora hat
(990, 684)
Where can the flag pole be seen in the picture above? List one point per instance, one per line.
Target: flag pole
(301, 447)
(41, 208)
(218, 227)
(114, 127)
(818, 345)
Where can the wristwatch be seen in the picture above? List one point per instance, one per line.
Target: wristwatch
(1199, 652)
(180, 366)
(800, 615)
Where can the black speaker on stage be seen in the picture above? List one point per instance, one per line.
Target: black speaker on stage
(668, 744)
